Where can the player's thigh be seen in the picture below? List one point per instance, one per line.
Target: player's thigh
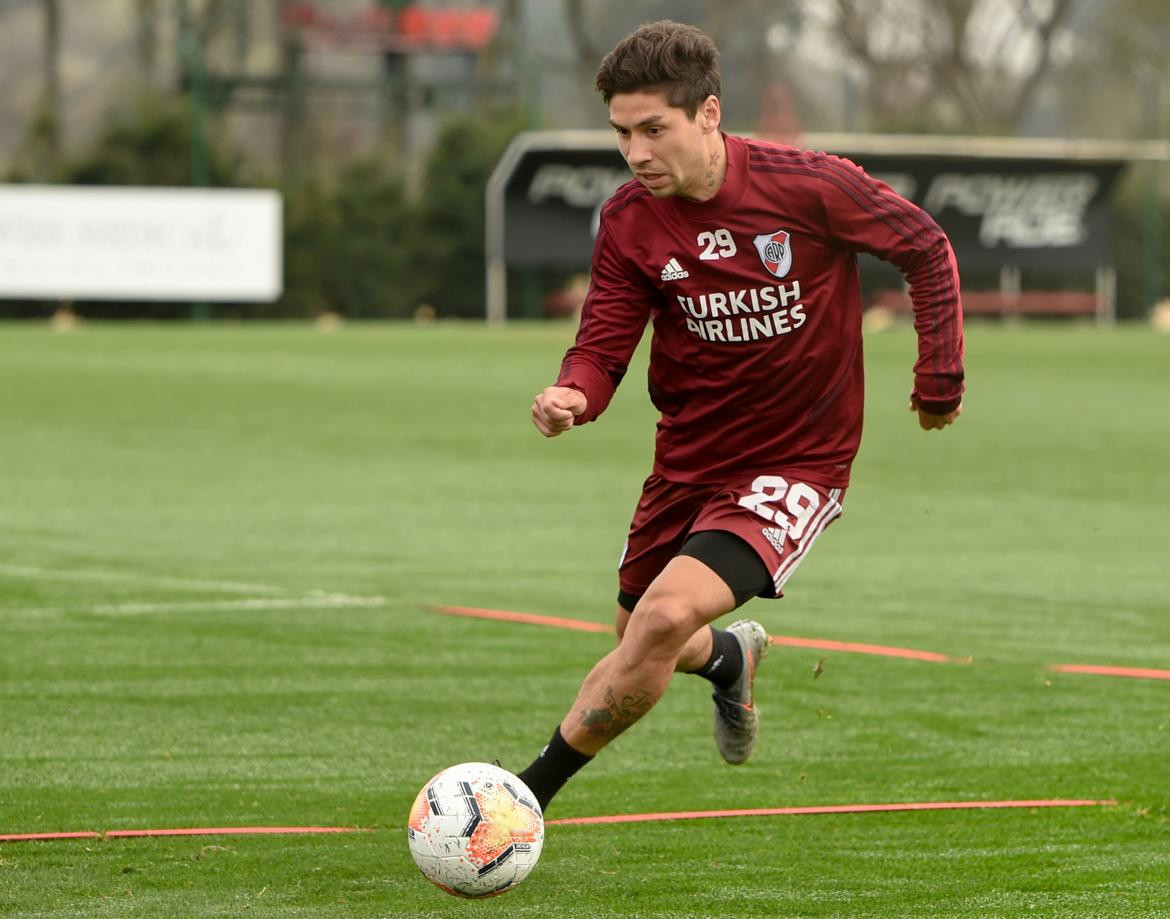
(685, 596)
(621, 619)
(734, 560)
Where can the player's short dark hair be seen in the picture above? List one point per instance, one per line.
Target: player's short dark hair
(670, 57)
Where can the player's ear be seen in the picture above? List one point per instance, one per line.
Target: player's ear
(710, 114)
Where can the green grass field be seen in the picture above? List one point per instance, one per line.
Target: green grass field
(218, 547)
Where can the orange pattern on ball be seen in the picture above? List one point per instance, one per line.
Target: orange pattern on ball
(419, 811)
(505, 822)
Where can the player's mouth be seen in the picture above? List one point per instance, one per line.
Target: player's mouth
(650, 178)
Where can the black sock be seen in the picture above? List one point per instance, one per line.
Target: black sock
(557, 763)
(725, 664)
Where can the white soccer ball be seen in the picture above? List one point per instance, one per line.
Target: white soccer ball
(475, 830)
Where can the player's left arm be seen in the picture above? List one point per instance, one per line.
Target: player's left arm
(869, 216)
(932, 421)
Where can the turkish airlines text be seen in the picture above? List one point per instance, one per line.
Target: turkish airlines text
(744, 315)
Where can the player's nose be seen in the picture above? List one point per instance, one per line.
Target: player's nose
(639, 153)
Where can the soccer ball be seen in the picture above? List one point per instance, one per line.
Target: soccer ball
(475, 830)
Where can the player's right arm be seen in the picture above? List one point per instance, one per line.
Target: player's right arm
(556, 409)
(613, 319)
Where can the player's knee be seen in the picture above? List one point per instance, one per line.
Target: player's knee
(663, 620)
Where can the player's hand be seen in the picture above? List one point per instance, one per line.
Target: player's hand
(928, 421)
(555, 409)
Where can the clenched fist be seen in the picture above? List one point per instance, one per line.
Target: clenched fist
(928, 421)
(555, 409)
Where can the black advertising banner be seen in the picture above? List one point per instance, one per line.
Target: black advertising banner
(997, 210)
(1009, 211)
(552, 203)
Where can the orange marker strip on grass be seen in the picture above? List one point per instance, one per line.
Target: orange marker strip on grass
(234, 831)
(853, 647)
(473, 612)
(584, 625)
(185, 831)
(826, 809)
(1141, 673)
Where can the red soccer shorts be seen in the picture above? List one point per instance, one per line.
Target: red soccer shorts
(780, 518)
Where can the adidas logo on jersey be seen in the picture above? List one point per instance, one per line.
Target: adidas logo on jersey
(673, 271)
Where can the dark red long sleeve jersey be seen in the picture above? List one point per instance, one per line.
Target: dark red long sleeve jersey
(756, 357)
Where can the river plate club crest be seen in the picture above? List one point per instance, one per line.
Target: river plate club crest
(775, 252)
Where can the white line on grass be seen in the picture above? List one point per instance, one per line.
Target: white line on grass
(314, 601)
(56, 574)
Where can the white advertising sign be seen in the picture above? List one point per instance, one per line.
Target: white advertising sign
(68, 242)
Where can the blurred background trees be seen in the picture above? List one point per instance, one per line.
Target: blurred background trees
(381, 119)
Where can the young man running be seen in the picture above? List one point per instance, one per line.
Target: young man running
(742, 255)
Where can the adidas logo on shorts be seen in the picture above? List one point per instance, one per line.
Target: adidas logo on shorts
(775, 537)
(673, 271)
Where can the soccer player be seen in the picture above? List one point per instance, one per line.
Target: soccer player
(742, 255)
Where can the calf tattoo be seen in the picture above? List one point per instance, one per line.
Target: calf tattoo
(616, 715)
